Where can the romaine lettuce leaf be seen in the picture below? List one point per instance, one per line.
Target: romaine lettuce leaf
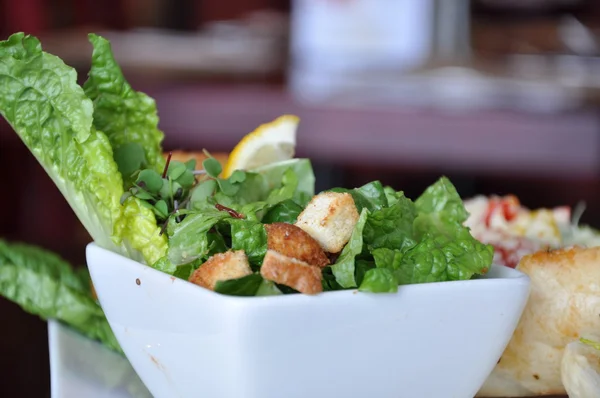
(391, 227)
(379, 280)
(249, 285)
(188, 239)
(371, 196)
(344, 267)
(128, 118)
(44, 284)
(268, 288)
(442, 198)
(361, 268)
(40, 99)
(286, 211)
(251, 237)
(435, 246)
(245, 286)
(438, 258)
(391, 195)
(137, 229)
(255, 193)
(274, 176)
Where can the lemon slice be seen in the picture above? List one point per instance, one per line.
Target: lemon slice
(268, 143)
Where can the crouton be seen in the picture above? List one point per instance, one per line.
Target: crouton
(329, 218)
(292, 241)
(221, 267)
(291, 272)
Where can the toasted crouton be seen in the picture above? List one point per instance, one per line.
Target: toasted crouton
(291, 272)
(221, 267)
(329, 218)
(292, 241)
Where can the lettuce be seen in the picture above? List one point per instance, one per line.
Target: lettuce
(130, 121)
(424, 241)
(344, 267)
(371, 196)
(128, 118)
(392, 226)
(189, 239)
(251, 237)
(40, 99)
(410, 242)
(43, 284)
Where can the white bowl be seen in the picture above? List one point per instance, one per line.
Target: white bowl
(428, 340)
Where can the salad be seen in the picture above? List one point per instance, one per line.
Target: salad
(253, 226)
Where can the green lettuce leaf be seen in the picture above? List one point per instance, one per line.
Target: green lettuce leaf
(137, 229)
(379, 280)
(273, 175)
(130, 121)
(361, 267)
(129, 118)
(344, 267)
(251, 237)
(249, 285)
(286, 211)
(188, 239)
(245, 286)
(439, 258)
(268, 288)
(442, 198)
(371, 196)
(388, 258)
(391, 227)
(43, 284)
(255, 193)
(434, 246)
(40, 99)
(391, 195)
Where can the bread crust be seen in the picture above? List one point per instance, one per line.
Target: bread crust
(329, 218)
(564, 304)
(288, 271)
(221, 267)
(292, 241)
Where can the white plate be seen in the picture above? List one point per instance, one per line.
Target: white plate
(80, 367)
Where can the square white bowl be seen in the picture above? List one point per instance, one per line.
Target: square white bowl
(427, 340)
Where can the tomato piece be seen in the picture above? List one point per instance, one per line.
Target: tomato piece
(492, 206)
(510, 207)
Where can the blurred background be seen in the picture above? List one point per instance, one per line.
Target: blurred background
(502, 96)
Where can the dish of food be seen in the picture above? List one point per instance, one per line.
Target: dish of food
(183, 340)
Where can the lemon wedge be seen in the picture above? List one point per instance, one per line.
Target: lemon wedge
(268, 143)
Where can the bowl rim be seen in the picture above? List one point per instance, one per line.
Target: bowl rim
(507, 276)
